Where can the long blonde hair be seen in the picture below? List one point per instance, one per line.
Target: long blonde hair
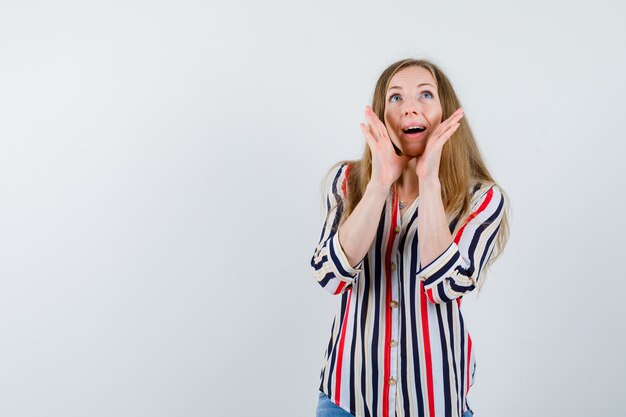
(461, 163)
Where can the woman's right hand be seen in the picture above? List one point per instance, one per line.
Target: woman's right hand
(387, 166)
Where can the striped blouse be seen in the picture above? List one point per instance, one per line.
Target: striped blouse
(399, 345)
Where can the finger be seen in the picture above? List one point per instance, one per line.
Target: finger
(448, 133)
(456, 116)
(445, 125)
(437, 141)
(379, 133)
(367, 132)
(370, 116)
(373, 132)
(460, 110)
(371, 122)
(378, 127)
(371, 141)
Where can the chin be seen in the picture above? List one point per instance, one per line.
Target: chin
(413, 151)
(412, 155)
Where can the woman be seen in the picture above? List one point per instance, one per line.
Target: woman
(410, 228)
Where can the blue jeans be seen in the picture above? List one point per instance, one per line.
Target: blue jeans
(327, 408)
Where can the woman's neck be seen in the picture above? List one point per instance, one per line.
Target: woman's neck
(408, 183)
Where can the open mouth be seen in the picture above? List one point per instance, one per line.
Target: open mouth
(414, 129)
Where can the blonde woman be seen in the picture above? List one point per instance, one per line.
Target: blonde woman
(410, 228)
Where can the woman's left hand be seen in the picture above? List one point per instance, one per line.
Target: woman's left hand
(427, 164)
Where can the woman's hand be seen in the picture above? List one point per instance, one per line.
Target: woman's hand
(387, 166)
(427, 164)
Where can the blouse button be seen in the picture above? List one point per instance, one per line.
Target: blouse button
(397, 229)
(393, 304)
(392, 381)
(393, 343)
(393, 267)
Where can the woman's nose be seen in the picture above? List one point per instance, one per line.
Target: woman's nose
(411, 107)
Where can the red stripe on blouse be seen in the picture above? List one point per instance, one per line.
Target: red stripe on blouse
(469, 355)
(342, 339)
(340, 287)
(427, 355)
(430, 295)
(388, 310)
(482, 207)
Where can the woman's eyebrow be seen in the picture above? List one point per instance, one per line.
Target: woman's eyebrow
(400, 88)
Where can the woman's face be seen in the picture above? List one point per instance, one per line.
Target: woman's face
(412, 101)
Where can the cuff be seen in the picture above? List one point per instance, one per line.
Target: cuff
(440, 267)
(340, 263)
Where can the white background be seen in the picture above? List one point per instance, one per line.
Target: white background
(160, 170)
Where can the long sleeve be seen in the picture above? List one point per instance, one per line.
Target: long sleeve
(457, 270)
(330, 265)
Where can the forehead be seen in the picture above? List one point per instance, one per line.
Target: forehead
(412, 77)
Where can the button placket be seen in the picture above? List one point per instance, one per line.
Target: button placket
(395, 314)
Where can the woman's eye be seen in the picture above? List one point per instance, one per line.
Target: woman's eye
(394, 98)
(429, 93)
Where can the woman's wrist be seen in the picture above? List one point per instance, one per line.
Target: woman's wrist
(377, 188)
(429, 182)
